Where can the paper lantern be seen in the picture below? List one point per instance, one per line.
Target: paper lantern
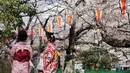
(49, 28)
(59, 22)
(98, 15)
(70, 18)
(32, 34)
(123, 7)
(40, 32)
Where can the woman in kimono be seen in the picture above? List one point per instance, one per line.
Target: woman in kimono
(21, 54)
(49, 60)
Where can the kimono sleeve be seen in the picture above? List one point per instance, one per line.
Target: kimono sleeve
(30, 49)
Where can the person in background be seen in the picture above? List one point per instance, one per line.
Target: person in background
(118, 68)
(40, 63)
(50, 61)
(21, 54)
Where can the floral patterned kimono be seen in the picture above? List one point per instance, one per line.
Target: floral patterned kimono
(21, 54)
(50, 63)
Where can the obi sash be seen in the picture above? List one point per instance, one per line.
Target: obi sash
(22, 56)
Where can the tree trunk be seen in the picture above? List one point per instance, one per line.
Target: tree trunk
(71, 40)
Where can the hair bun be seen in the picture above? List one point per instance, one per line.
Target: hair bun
(50, 36)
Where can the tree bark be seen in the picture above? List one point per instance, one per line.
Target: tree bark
(71, 40)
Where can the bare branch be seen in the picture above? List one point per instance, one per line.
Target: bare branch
(117, 50)
(83, 29)
(81, 34)
(62, 39)
(79, 1)
(30, 19)
(44, 25)
(40, 11)
(124, 54)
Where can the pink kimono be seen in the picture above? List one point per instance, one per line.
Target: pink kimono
(21, 54)
(50, 64)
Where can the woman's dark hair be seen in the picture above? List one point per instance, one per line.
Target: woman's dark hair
(22, 35)
(50, 37)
